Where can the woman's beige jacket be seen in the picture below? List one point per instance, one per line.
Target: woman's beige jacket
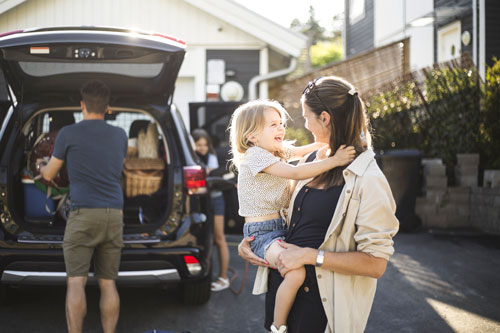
(364, 221)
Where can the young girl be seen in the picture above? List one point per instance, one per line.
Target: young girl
(256, 133)
(206, 152)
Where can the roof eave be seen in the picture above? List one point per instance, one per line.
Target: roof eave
(9, 4)
(282, 39)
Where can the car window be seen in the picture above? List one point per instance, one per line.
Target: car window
(123, 120)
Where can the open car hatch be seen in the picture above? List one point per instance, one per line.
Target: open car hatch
(54, 63)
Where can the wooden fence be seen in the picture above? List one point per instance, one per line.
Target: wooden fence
(367, 71)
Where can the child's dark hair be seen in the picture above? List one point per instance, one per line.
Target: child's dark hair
(200, 133)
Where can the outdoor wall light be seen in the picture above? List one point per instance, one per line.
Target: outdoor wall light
(466, 38)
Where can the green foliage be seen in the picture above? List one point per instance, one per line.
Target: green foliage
(490, 118)
(450, 124)
(301, 136)
(325, 52)
(440, 115)
(393, 120)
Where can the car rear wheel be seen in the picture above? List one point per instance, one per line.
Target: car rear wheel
(5, 293)
(196, 292)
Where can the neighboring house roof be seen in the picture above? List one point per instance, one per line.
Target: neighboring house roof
(276, 36)
(5, 5)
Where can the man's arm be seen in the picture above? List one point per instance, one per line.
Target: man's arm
(49, 170)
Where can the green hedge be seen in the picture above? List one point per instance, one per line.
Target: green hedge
(447, 111)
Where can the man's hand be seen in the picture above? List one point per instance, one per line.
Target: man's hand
(50, 170)
(246, 253)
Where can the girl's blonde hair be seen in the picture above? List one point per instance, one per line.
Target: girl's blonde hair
(247, 119)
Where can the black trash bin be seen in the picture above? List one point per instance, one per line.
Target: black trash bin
(402, 170)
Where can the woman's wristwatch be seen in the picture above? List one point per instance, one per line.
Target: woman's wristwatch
(320, 258)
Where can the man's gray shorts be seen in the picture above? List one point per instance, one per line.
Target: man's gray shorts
(97, 233)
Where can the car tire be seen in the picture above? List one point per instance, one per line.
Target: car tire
(196, 292)
(5, 293)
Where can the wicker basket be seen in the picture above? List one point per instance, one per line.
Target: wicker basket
(135, 163)
(137, 182)
(131, 151)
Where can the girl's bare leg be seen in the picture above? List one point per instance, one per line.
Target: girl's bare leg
(220, 240)
(287, 289)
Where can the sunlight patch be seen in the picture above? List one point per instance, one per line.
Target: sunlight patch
(461, 320)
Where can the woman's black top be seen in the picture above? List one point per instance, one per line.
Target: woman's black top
(313, 211)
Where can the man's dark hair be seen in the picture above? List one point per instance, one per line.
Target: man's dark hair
(95, 95)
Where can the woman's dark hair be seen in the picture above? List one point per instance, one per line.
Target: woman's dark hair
(200, 133)
(95, 95)
(348, 121)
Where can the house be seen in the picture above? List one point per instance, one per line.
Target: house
(225, 41)
(439, 30)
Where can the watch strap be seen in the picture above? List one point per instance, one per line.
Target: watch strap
(320, 258)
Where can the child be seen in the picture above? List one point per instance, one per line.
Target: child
(206, 152)
(257, 132)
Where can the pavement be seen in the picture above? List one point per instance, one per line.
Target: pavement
(433, 283)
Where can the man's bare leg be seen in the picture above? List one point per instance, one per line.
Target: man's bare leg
(76, 303)
(109, 304)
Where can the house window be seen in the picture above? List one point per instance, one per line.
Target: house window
(356, 11)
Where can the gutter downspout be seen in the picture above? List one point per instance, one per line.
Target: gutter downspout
(252, 85)
(482, 39)
(474, 31)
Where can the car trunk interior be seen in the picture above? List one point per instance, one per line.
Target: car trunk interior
(145, 187)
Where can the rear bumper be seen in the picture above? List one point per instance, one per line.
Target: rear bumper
(150, 266)
(59, 278)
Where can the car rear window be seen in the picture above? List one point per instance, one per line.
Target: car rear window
(40, 69)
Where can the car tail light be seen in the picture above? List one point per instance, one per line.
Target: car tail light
(192, 264)
(195, 180)
(171, 38)
(10, 33)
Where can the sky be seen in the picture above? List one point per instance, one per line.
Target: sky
(284, 11)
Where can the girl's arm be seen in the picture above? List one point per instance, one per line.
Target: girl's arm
(301, 151)
(343, 156)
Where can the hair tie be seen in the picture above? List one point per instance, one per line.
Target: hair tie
(353, 92)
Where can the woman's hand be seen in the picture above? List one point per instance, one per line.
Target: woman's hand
(246, 253)
(294, 257)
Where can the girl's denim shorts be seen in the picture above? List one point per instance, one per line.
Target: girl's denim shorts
(218, 205)
(265, 234)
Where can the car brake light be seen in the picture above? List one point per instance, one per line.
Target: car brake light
(192, 264)
(10, 33)
(195, 180)
(171, 38)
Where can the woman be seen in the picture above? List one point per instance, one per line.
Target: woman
(342, 221)
(206, 152)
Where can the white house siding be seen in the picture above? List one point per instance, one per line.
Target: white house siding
(391, 18)
(177, 18)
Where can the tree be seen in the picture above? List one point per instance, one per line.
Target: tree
(326, 52)
(323, 47)
(313, 29)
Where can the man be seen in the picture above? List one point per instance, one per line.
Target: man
(94, 152)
